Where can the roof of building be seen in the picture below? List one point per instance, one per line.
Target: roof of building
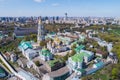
(64, 38)
(72, 36)
(99, 64)
(87, 52)
(80, 47)
(7, 54)
(52, 62)
(80, 70)
(27, 75)
(1, 35)
(1, 70)
(30, 51)
(22, 61)
(99, 52)
(46, 52)
(60, 72)
(82, 37)
(79, 57)
(25, 45)
(75, 42)
(57, 40)
(52, 33)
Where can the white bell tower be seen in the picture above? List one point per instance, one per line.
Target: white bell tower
(41, 33)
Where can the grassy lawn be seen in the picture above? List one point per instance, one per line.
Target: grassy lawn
(100, 76)
(115, 31)
(103, 74)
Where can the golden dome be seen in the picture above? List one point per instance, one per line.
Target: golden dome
(57, 40)
(58, 47)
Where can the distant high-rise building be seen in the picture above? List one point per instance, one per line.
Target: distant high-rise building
(41, 34)
(66, 16)
(118, 21)
(57, 18)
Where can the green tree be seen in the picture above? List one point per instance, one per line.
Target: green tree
(95, 44)
(105, 54)
(37, 63)
(114, 73)
(27, 38)
(73, 46)
(72, 53)
(66, 57)
(116, 49)
(33, 37)
(43, 44)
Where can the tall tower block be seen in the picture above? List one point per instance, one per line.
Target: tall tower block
(41, 33)
(66, 16)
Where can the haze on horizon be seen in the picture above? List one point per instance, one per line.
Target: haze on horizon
(100, 8)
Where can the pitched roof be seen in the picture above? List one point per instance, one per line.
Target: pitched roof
(79, 48)
(1, 70)
(46, 52)
(100, 64)
(25, 45)
(27, 75)
(52, 62)
(99, 52)
(80, 70)
(79, 57)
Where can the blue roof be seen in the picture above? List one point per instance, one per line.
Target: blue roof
(100, 64)
(25, 45)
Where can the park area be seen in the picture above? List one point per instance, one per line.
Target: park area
(115, 31)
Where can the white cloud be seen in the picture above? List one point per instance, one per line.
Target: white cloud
(55, 4)
(39, 1)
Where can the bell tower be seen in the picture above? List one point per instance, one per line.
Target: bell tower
(41, 33)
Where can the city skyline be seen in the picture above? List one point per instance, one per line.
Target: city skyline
(81, 8)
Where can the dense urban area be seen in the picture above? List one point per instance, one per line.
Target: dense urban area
(59, 48)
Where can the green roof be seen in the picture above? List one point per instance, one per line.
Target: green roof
(79, 57)
(99, 64)
(1, 35)
(1, 70)
(79, 48)
(25, 45)
(81, 70)
(64, 38)
(46, 52)
(52, 63)
(52, 33)
(75, 42)
(86, 54)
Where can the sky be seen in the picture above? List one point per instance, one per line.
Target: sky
(78, 8)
